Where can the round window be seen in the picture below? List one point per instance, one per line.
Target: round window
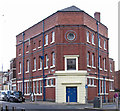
(70, 36)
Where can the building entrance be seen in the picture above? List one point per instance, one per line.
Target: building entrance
(71, 94)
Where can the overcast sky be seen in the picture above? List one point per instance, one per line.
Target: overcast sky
(18, 15)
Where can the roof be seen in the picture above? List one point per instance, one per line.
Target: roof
(70, 9)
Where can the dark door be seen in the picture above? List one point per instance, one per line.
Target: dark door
(71, 94)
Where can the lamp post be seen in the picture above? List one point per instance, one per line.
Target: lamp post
(23, 61)
(98, 59)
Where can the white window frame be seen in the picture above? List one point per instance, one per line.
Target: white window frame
(40, 87)
(39, 44)
(71, 57)
(104, 44)
(93, 39)
(34, 65)
(40, 63)
(100, 63)
(46, 58)
(53, 59)
(48, 82)
(99, 43)
(52, 82)
(18, 86)
(93, 57)
(111, 86)
(89, 81)
(110, 67)
(46, 40)
(104, 61)
(27, 66)
(25, 87)
(88, 61)
(88, 37)
(105, 86)
(53, 37)
(37, 84)
(92, 82)
(102, 86)
(19, 68)
(34, 87)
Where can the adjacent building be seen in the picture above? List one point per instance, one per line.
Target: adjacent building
(1, 80)
(117, 81)
(12, 74)
(66, 46)
(5, 80)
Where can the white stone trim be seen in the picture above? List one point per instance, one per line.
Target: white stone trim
(33, 70)
(103, 94)
(19, 73)
(71, 73)
(19, 81)
(88, 66)
(50, 86)
(111, 90)
(66, 79)
(37, 79)
(91, 85)
(52, 42)
(71, 56)
(27, 52)
(91, 77)
(52, 66)
(34, 49)
(14, 85)
(50, 78)
(40, 69)
(46, 67)
(39, 47)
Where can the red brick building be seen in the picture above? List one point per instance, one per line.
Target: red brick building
(70, 58)
(117, 81)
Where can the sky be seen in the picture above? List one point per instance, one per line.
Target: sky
(18, 15)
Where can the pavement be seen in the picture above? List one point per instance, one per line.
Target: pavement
(87, 107)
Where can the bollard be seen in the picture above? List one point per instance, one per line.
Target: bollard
(100, 101)
(106, 99)
(116, 101)
(13, 108)
(6, 108)
(113, 99)
(1, 107)
(35, 98)
(22, 109)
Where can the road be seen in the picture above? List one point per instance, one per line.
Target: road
(51, 106)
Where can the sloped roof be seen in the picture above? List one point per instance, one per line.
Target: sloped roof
(70, 9)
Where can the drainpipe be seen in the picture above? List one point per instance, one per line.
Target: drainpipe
(23, 61)
(98, 59)
(104, 88)
(43, 66)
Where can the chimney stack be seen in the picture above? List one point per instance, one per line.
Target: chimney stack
(97, 16)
